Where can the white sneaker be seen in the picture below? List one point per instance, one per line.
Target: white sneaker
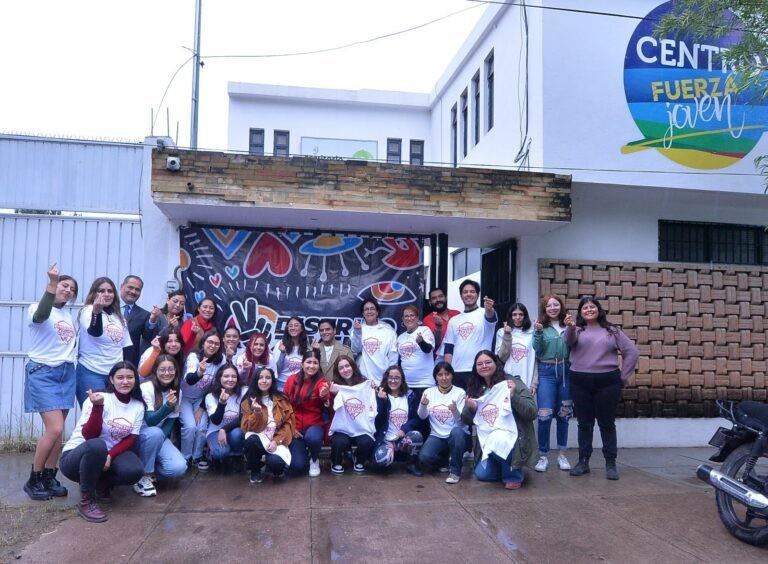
(563, 463)
(542, 464)
(314, 468)
(452, 479)
(145, 487)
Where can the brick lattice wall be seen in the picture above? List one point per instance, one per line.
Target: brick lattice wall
(700, 329)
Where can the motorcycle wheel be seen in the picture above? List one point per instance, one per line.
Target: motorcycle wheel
(745, 526)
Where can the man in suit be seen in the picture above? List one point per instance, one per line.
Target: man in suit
(140, 322)
(329, 348)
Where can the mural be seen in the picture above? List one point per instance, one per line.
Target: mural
(683, 98)
(260, 279)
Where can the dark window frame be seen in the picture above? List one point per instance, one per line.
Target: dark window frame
(489, 87)
(282, 149)
(394, 157)
(466, 261)
(255, 148)
(464, 101)
(416, 156)
(476, 107)
(716, 243)
(454, 136)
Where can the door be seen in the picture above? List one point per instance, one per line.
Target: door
(498, 276)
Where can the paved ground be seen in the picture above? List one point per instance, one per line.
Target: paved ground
(658, 512)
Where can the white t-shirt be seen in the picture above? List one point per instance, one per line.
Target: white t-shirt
(54, 341)
(441, 419)
(398, 415)
(268, 433)
(203, 385)
(469, 333)
(231, 409)
(378, 346)
(101, 353)
(291, 363)
(522, 357)
(416, 364)
(354, 410)
(495, 421)
(118, 421)
(240, 358)
(148, 393)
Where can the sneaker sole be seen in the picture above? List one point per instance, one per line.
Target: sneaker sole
(38, 497)
(92, 519)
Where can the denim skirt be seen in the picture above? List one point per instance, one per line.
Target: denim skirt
(48, 388)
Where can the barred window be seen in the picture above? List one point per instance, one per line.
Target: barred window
(681, 241)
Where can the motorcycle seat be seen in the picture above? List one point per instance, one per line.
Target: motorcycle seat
(753, 414)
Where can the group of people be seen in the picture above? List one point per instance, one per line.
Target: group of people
(162, 391)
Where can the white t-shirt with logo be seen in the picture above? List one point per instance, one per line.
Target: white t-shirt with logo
(522, 357)
(203, 386)
(291, 364)
(416, 364)
(469, 333)
(148, 393)
(119, 420)
(495, 421)
(378, 346)
(398, 415)
(54, 341)
(441, 418)
(354, 410)
(101, 353)
(231, 409)
(268, 433)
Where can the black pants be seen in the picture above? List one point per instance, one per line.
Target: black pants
(254, 450)
(340, 443)
(85, 464)
(595, 396)
(461, 379)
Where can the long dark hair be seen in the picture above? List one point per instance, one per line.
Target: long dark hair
(136, 391)
(476, 384)
(64, 278)
(215, 309)
(302, 338)
(402, 391)
(543, 317)
(179, 356)
(216, 386)
(526, 318)
(175, 385)
(255, 392)
(296, 398)
(218, 356)
(114, 307)
(602, 316)
(357, 376)
(181, 293)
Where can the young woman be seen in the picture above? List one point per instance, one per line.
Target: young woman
(200, 372)
(514, 345)
(103, 334)
(172, 312)
(225, 439)
(49, 383)
(288, 353)
(597, 379)
(231, 343)
(194, 329)
(554, 381)
(354, 414)
(98, 454)
(442, 405)
(169, 342)
(415, 347)
(374, 341)
(308, 392)
(160, 457)
(396, 423)
(503, 411)
(268, 423)
(254, 356)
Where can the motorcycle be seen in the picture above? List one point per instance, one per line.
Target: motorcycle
(741, 482)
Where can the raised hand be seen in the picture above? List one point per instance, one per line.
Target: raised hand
(537, 326)
(172, 400)
(569, 321)
(512, 386)
(281, 346)
(156, 344)
(154, 314)
(196, 329)
(454, 408)
(173, 320)
(97, 398)
(488, 305)
(507, 329)
(255, 405)
(357, 326)
(472, 404)
(53, 277)
(316, 345)
(324, 391)
(248, 320)
(201, 368)
(424, 400)
(223, 396)
(437, 319)
(98, 303)
(382, 393)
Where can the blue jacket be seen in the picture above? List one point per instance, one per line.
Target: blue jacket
(382, 417)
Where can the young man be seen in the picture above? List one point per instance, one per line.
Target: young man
(437, 321)
(328, 346)
(141, 324)
(469, 332)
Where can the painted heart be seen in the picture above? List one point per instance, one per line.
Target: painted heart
(441, 413)
(199, 296)
(489, 413)
(114, 332)
(518, 352)
(232, 271)
(215, 279)
(406, 350)
(465, 329)
(371, 345)
(404, 254)
(354, 407)
(227, 241)
(119, 428)
(398, 417)
(65, 331)
(268, 253)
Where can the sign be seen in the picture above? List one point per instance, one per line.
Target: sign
(683, 98)
(343, 148)
(260, 278)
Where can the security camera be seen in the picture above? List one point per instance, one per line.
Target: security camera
(173, 163)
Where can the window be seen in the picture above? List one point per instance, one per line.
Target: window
(476, 108)
(466, 262)
(282, 143)
(417, 152)
(464, 122)
(681, 241)
(394, 149)
(489, 91)
(454, 137)
(256, 142)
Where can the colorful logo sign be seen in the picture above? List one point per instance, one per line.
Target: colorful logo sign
(683, 97)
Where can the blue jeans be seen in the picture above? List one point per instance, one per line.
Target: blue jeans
(88, 380)
(434, 449)
(234, 446)
(495, 468)
(306, 448)
(554, 399)
(192, 432)
(157, 453)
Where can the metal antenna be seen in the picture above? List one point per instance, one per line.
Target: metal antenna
(195, 78)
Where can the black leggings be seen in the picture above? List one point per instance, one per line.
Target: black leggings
(340, 443)
(595, 396)
(254, 450)
(85, 464)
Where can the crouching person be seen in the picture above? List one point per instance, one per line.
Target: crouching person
(98, 455)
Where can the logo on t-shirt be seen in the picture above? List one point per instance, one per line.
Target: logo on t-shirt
(441, 413)
(294, 364)
(407, 349)
(114, 332)
(489, 413)
(518, 352)
(205, 382)
(270, 429)
(465, 329)
(398, 417)
(371, 345)
(119, 428)
(65, 331)
(354, 407)
(229, 417)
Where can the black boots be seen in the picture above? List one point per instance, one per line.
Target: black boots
(611, 472)
(52, 484)
(581, 468)
(35, 487)
(414, 467)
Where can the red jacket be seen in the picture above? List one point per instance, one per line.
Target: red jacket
(308, 412)
(189, 336)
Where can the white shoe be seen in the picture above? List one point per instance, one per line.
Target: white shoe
(542, 464)
(145, 487)
(452, 479)
(314, 468)
(563, 463)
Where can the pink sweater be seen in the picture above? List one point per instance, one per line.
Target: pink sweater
(594, 349)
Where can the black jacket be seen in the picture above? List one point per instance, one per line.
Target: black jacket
(137, 328)
(382, 416)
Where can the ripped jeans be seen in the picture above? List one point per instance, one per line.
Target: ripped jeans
(554, 399)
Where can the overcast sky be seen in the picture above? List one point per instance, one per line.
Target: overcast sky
(95, 68)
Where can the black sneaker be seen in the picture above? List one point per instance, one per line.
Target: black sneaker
(35, 487)
(611, 472)
(256, 477)
(581, 468)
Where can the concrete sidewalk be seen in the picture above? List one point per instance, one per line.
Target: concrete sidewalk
(657, 512)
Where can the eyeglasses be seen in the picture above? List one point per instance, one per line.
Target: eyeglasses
(485, 363)
(166, 371)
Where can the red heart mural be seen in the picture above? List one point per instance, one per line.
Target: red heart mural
(268, 253)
